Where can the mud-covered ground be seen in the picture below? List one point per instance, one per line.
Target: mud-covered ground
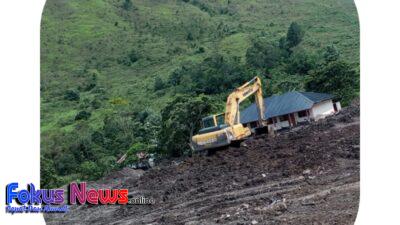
(308, 175)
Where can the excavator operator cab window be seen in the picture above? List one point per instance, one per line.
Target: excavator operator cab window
(220, 119)
(208, 122)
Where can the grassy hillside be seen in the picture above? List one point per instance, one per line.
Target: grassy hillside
(111, 51)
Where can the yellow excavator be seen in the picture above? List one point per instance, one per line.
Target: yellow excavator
(223, 129)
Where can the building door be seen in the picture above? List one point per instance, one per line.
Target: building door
(292, 119)
(335, 107)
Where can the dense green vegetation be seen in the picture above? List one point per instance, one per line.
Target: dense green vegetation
(122, 76)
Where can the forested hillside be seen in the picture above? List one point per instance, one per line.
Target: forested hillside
(123, 76)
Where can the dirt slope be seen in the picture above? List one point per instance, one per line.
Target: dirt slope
(309, 175)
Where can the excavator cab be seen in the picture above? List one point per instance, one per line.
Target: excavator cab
(212, 123)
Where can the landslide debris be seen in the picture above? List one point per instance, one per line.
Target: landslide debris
(307, 175)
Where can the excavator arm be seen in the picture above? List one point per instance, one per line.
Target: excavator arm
(232, 113)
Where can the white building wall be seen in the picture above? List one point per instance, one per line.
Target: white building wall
(272, 126)
(280, 124)
(283, 123)
(322, 109)
(318, 111)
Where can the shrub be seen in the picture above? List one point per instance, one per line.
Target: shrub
(90, 170)
(97, 138)
(83, 115)
(189, 36)
(200, 50)
(65, 163)
(48, 177)
(107, 164)
(71, 95)
(133, 56)
(331, 53)
(119, 101)
(82, 149)
(95, 103)
(158, 84)
(127, 5)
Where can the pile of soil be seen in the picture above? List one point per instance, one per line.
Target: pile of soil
(307, 175)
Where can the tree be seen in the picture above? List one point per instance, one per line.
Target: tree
(263, 55)
(119, 132)
(179, 120)
(133, 56)
(97, 137)
(48, 177)
(127, 5)
(337, 78)
(137, 147)
(331, 53)
(83, 115)
(151, 126)
(71, 95)
(82, 149)
(90, 170)
(282, 43)
(107, 164)
(200, 50)
(189, 36)
(294, 35)
(214, 75)
(175, 77)
(218, 74)
(65, 163)
(300, 62)
(158, 84)
(95, 103)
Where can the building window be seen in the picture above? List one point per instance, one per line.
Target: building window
(302, 113)
(284, 118)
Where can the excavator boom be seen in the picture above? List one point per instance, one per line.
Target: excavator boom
(232, 114)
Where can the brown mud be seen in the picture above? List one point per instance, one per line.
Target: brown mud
(307, 175)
